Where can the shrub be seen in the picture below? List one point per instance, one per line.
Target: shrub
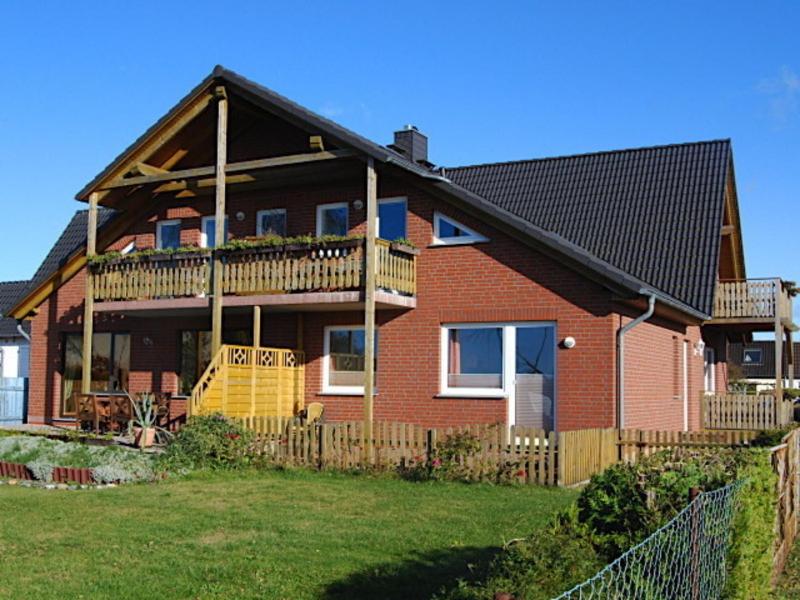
(208, 442)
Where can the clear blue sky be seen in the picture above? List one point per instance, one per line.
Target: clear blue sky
(486, 81)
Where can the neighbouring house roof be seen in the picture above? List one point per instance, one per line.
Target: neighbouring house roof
(766, 369)
(645, 221)
(10, 291)
(72, 239)
(655, 213)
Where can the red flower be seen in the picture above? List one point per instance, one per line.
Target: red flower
(521, 473)
(232, 436)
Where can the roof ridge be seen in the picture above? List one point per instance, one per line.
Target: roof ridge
(595, 153)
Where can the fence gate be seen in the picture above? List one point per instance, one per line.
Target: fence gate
(13, 400)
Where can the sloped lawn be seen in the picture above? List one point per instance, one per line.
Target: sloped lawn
(259, 535)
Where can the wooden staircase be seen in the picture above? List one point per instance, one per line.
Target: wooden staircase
(243, 381)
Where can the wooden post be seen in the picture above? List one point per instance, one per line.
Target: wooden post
(88, 303)
(778, 360)
(256, 327)
(789, 358)
(369, 304)
(219, 216)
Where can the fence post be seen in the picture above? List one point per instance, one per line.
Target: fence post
(430, 448)
(561, 462)
(694, 494)
(322, 440)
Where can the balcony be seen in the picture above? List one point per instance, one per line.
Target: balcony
(753, 301)
(274, 274)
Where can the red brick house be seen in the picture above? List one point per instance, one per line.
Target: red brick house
(547, 292)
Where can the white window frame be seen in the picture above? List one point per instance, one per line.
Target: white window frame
(472, 237)
(129, 247)
(392, 200)
(204, 235)
(270, 211)
(165, 223)
(760, 356)
(322, 207)
(339, 390)
(444, 355)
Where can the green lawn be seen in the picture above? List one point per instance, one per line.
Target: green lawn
(259, 535)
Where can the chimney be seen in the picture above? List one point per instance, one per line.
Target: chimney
(412, 144)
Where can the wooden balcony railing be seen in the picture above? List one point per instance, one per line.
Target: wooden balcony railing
(268, 270)
(760, 299)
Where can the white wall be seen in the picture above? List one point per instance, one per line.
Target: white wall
(14, 359)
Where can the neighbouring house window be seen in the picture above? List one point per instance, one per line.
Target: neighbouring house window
(344, 360)
(475, 358)
(392, 219)
(195, 354)
(208, 235)
(709, 375)
(111, 365)
(332, 219)
(168, 234)
(129, 247)
(449, 232)
(271, 222)
(752, 356)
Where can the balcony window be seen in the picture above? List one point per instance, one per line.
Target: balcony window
(208, 236)
(344, 360)
(168, 234)
(271, 222)
(752, 356)
(111, 362)
(392, 219)
(332, 219)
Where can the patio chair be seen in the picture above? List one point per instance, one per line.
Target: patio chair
(85, 411)
(120, 413)
(313, 412)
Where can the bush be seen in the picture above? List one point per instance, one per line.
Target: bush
(625, 504)
(208, 442)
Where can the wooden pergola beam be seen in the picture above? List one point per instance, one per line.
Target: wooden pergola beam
(180, 177)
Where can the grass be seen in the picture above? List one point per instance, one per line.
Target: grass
(259, 535)
(789, 583)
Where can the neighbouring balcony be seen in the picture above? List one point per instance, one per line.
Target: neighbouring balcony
(752, 301)
(252, 271)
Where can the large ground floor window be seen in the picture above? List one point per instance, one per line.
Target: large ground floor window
(195, 354)
(513, 361)
(343, 370)
(111, 365)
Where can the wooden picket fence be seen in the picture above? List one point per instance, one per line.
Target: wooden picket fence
(746, 411)
(526, 454)
(786, 462)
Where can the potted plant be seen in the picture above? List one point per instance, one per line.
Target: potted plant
(142, 425)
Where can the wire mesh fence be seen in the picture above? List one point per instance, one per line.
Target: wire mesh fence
(684, 560)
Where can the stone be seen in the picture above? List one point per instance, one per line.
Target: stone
(12, 482)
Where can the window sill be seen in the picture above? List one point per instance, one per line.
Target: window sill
(343, 392)
(467, 395)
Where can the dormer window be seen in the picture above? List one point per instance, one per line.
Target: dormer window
(449, 232)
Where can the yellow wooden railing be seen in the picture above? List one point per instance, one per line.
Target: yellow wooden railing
(284, 270)
(752, 299)
(242, 381)
(746, 411)
(148, 278)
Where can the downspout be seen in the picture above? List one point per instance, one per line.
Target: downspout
(22, 332)
(651, 307)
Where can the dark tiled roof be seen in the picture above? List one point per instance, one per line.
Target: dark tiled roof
(70, 240)
(654, 213)
(765, 370)
(10, 291)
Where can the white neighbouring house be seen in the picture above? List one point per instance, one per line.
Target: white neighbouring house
(14, 357)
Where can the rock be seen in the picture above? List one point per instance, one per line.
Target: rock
(73, 487)
(50, 486)
(12, 482)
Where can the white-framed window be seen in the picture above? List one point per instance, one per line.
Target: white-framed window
(208, 232)
(168, 234)
(129, 247)
(333, 219)
(752, 356)
(473, 359)
(709, 375)
(392, 218)
(343, 364)
(449, 232)
(271, 222)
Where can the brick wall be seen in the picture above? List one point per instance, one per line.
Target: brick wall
(502, 280)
